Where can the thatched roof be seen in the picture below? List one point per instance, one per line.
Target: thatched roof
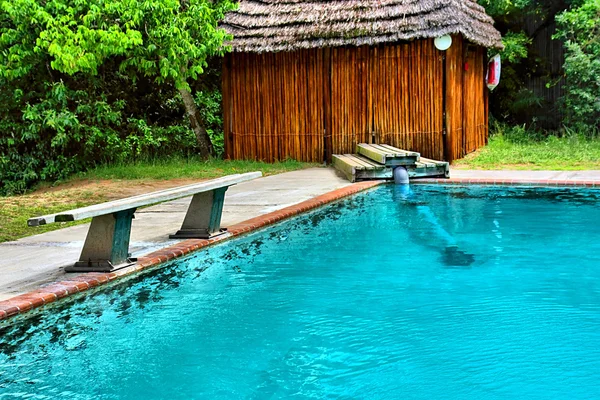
(284, 25)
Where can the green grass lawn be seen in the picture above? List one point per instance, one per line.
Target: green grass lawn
(16, 210)
(178, 168)
(535, 153)
(117, 181)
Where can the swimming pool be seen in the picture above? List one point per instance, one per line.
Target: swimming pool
(444, 292)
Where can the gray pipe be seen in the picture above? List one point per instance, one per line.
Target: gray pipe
(400, 176)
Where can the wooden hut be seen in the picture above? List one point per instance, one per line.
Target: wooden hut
(308, 78)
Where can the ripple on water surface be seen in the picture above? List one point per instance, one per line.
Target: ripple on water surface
(440, 292)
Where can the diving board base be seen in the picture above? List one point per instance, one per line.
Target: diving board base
(196, 234)
(99, 266)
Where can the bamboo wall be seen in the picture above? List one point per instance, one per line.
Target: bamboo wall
(309, 104)
(474, 107)
(273, 106)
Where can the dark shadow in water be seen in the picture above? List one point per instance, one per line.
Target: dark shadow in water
(455, 257)
(416, 208)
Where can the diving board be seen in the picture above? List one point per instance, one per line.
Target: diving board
(106, 247)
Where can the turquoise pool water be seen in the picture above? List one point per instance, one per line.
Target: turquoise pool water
(442, 293)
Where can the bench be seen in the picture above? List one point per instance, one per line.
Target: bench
(106, 246)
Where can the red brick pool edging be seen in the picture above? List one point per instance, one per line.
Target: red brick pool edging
(54, 291)
(508, 182)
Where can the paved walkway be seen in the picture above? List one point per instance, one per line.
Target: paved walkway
(30, 262)
(528, 175)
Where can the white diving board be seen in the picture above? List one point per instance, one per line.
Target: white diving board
(106, 246)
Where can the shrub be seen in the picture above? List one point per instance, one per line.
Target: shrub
(578, 27)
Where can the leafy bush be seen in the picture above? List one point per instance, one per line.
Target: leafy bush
(67, 131)
(80, 87)
(210, 105)
(579, 28)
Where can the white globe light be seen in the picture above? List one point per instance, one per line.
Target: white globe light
(443, 42)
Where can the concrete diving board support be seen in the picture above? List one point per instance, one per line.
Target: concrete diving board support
(106, 246)
(203, 217)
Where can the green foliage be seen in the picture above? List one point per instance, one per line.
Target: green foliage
(506, 101)
(579, 28)
(515, 46)
(67, 130)
(505, 8)
(168, 40)
(512, 101)
(89, 82)
(209, 103)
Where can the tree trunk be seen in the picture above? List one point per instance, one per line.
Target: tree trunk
(206, 149)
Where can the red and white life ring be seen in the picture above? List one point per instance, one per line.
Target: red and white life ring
(493, 73)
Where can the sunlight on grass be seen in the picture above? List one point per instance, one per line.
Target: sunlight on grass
(516, 150)
(16, 210)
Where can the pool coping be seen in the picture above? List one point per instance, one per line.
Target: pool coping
(52, 292)
(509, 182)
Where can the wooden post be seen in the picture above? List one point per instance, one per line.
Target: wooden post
(327, 123)
(226, 88)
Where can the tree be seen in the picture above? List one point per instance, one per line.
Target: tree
(165, 40)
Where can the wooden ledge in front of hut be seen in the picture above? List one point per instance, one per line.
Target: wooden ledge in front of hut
(379, 161)
(387, 155)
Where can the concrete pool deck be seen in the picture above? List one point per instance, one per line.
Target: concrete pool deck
(30, 263)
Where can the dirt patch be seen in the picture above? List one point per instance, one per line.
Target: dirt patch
(107, 189)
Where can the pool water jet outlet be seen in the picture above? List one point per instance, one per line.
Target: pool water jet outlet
(401, 176)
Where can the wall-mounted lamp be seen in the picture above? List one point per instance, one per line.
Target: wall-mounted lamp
(443, 42)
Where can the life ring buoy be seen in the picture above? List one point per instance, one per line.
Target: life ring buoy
(492, 77)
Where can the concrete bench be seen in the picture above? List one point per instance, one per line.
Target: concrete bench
(106, 246)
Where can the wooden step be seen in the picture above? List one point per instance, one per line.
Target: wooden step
(426, 168)
(356, 167)
(387, 155)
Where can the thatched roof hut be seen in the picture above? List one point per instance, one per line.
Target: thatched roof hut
(288, 25)
(334, 47)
